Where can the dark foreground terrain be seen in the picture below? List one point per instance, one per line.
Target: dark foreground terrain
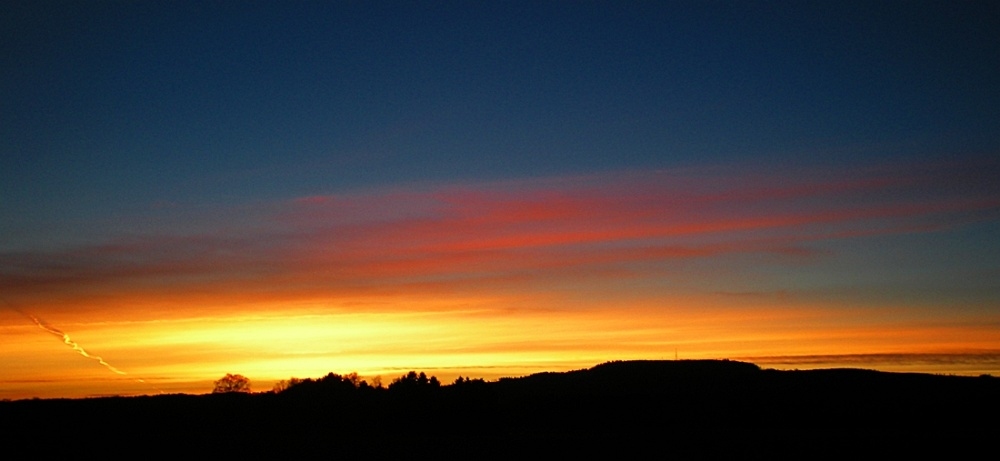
(658, 409)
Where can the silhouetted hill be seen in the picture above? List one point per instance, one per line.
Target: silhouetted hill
(640, 376)
(692, 408)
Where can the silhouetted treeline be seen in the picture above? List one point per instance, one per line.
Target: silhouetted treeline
(674, 408)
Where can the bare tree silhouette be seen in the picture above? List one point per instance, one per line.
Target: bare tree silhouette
(232, 383)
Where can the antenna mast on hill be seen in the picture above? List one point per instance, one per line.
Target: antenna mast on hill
(675, 354)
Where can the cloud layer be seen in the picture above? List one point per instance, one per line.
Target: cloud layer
(457, 238)
(531, 274)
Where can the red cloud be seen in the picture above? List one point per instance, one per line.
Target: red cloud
(451, 236)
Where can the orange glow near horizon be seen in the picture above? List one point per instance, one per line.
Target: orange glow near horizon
(187, 354)
(513, 278)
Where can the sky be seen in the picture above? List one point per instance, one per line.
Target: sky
(287, 189)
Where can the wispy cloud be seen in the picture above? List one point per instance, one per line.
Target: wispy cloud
(973, 362)
(447, 237)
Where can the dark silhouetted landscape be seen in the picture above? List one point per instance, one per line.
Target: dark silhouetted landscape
(686, 408)
(190, 188)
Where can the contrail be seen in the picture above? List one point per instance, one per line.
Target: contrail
(45, 326)
(69, 342)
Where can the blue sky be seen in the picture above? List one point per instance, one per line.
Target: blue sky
(851, 146)
(129, 104)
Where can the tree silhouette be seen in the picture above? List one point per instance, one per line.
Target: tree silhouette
(413, 382)
(285, 384)
(232, 383)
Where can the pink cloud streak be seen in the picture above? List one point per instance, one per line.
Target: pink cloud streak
(508, 231)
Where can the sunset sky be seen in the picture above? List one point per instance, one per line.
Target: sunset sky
(287, 189)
